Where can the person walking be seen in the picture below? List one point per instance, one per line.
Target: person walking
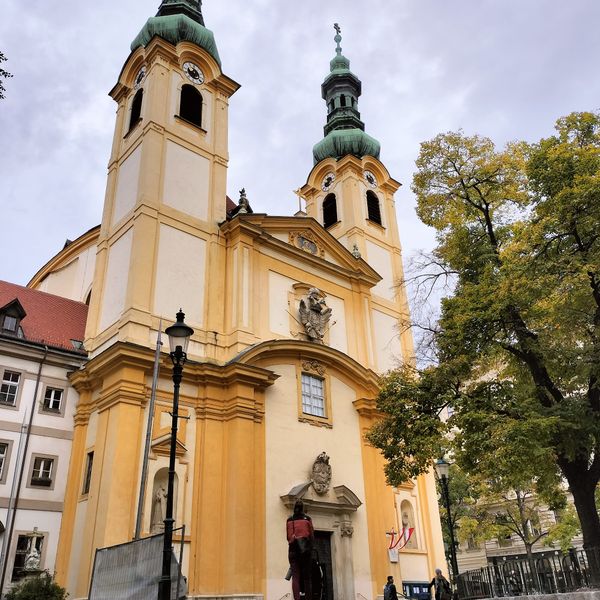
(300, 537)
(389, 589)
(443, 591)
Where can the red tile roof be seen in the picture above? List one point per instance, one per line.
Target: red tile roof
(50, 319)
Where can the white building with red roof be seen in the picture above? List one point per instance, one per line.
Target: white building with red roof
(40, 344)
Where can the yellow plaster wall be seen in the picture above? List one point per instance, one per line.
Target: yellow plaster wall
(291, 448)
(114, 291)
(185, 276)
(185, 177)
(127, 185)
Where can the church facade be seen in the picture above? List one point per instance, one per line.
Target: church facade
(294, 318)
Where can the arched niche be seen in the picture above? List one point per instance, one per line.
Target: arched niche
(408, 522)
(159, 500)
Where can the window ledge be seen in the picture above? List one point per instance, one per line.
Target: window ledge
(376, 224)
(188, 122)
(328, 227)
(132, 128)
(316, 421)
(52, 411)
(41, 482)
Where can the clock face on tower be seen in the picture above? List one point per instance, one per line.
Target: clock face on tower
(370, 179)
(193, 73)
(139, 78)
(327, 181)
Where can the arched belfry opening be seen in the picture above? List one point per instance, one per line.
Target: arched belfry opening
(330, 216)
(136, 109)
(373, 208)
(190, 106)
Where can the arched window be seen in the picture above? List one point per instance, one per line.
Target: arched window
(373, 209)
(190, 107)
(136, 109)
(342, 100)
(329, 211)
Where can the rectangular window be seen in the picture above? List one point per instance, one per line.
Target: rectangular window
(26, 544)
(9, 387)
(53, 399)
(87, 480)
(10, 323)
(3, 454)
(42, 471)
(313, 397)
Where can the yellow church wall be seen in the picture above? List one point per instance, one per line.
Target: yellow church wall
(388, 348)
(115, 288)
(187, 277)
(127, 185)
(380, 259)
(184, 182)
(291, 448)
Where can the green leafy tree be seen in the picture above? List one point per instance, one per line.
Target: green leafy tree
(39, 588)
(517, 345)
(3, 75)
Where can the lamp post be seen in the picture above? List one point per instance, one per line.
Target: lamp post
(179, 336)
(442, 468)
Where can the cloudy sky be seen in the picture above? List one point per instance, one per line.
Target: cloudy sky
(502, 68)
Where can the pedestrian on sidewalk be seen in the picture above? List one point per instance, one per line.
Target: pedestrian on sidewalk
(389, 589)
(443, 591)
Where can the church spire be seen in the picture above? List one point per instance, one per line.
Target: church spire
(344, 130)
(191, 8)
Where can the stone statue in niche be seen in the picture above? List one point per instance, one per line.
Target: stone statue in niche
(321, 474)
(159, 510)
(314, 315)
(32, 560)
(408, 525)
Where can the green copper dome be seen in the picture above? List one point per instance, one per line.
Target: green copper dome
(179, 21)
(340, 142)
(344, 130)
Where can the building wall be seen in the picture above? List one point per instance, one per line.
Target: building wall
(51, 435)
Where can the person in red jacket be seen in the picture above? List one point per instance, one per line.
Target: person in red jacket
(300, 537)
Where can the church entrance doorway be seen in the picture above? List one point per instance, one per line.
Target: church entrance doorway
(323, 548)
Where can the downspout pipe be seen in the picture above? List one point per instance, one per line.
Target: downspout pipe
(21, 469)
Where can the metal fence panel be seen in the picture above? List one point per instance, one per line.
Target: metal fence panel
(131, 571)
(543, 573)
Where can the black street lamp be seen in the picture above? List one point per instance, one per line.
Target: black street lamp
(179, 336)
(442, 468)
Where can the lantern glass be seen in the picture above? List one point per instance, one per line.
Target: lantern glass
(442, 468)
(179, 334)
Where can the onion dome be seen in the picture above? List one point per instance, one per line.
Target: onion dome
(179, 21)
(344, 131)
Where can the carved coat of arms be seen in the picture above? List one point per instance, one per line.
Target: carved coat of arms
(314, 315)
(321, 474)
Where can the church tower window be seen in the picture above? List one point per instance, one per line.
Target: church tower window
(329, 211)
(190, 107)
(373, 208)
(136, 109)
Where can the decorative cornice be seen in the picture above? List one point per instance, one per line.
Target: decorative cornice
(303, 351)
(68, 253)
(367, 407)
(257, 227)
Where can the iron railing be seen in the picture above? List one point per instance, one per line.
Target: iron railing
(543, 573)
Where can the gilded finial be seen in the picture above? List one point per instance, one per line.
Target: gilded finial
(338, 37)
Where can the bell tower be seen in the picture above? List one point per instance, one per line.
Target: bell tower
(351, 193)
(166, 189)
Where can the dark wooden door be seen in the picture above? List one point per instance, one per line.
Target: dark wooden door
(323, 548)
